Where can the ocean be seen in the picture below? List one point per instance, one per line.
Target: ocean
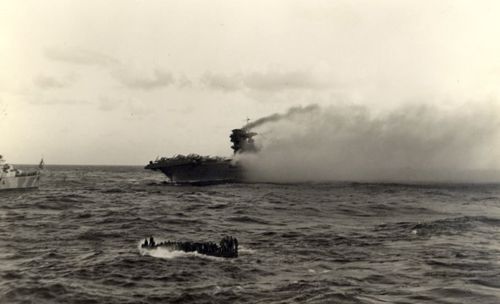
(77, 240)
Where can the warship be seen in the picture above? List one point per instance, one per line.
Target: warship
(12, 178)
(195, 169)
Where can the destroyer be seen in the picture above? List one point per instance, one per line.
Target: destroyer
(11, 178)
(195, 169)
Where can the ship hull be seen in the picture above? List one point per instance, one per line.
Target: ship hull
(19, 182)
(204, 173)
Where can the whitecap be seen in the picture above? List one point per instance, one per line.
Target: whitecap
(167, 253)
(245, 250)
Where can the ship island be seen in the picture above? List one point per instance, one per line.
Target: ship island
(195, 169)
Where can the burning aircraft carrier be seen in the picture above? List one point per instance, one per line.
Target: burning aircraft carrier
(195, 169)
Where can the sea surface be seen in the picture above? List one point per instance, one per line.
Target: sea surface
(76, 240)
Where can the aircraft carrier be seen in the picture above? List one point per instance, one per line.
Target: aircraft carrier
(195, 169)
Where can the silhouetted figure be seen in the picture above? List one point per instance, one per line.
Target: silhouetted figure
(228, 247)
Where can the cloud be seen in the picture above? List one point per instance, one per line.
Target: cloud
(158, 79)
(58, 101)
(130, 106)
(267, 81)
(106, 104)
(50, 82)
(184, 82)
(80, 56)
(222, 82)
(270, 81)
(124, 74)
(138, 109)
(274, 81)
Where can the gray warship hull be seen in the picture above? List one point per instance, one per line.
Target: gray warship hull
(19, 182)
(199, 173)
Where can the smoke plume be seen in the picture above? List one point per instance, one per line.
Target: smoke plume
(288, 115)
(352, 143)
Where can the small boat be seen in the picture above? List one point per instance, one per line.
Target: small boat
(227, 248)
(12, 178)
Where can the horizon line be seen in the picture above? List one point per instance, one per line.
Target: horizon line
(90, 165)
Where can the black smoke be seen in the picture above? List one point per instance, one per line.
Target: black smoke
(276, 117)
(348, 142)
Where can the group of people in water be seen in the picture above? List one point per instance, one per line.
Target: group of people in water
(227, 248)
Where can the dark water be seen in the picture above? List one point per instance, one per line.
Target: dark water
(75, 240)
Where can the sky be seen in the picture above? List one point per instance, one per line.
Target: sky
(121, 82)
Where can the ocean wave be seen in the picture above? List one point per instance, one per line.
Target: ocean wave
(455, 225)
(75, 240)
(446, 226)
(248, 219)
(166, 253)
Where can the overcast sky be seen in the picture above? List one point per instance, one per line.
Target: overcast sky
(120, 82)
